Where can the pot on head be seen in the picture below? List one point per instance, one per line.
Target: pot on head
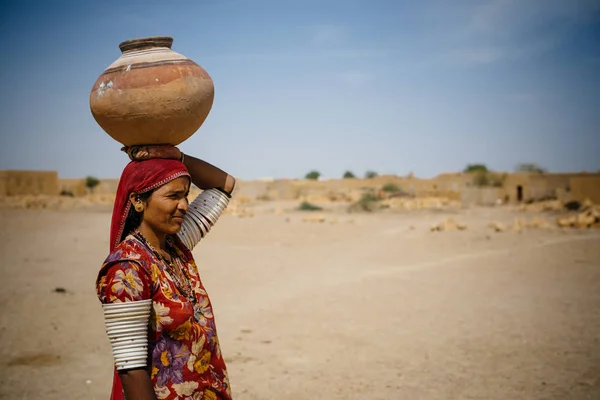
(151, 94)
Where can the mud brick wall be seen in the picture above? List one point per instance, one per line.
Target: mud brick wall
(19, 183)
(586, 187)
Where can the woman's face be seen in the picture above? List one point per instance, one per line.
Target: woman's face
(167, 205)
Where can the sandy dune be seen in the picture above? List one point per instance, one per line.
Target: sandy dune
(366, 308)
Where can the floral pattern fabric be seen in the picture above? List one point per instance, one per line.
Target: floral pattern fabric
(184, 352)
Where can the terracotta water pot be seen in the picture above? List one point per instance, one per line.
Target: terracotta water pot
(151, 94)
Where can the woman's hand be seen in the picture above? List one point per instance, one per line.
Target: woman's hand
(137, 385)
(147, 152)
(204, 175)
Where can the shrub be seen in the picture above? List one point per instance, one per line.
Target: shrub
(367, 202)
(349, 175)
(391, 188)
(370, 174)
(306, 206)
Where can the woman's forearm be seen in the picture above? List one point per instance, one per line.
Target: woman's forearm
(137, 385)
(207, 176)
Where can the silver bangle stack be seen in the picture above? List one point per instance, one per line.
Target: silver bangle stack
(127, 329)
(202, 215)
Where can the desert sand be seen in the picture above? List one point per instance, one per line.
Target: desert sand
(359, 306)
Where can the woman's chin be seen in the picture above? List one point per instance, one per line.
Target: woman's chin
(176, 227)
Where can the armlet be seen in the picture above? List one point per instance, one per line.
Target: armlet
(127, 328)
(203, 213)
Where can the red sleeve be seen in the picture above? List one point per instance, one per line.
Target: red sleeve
(124, 281)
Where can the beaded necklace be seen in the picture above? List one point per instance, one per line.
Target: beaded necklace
(170, 266)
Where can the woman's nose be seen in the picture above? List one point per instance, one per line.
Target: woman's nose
(183, 204)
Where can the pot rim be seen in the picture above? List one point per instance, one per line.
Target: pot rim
(150, 41)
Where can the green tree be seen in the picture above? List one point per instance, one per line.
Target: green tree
(349, 175)
(370, 174)
(531, 168)
(476, 168)
(91, 183)
(313, 175)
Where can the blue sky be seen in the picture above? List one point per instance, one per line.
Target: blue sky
(390, 86)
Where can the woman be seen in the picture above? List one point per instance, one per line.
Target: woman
(158, 315)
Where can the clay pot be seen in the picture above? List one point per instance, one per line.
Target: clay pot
(151, 94)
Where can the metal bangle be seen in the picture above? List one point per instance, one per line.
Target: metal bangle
(127, 329)
(202, 215)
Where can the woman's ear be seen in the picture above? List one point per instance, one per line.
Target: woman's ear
(133, 198)
(137, 203)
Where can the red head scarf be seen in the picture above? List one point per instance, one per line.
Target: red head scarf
(140, 177)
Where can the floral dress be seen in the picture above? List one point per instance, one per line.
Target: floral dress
(184, 355)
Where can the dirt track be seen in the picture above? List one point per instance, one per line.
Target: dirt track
(362, 309)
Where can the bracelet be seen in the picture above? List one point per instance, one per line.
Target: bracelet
(224, 192)
(127, 325)
(202, 215)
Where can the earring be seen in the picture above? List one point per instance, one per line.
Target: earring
(139, 207)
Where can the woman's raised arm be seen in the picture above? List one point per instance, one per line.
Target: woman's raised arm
(204, 175)
(207, 176)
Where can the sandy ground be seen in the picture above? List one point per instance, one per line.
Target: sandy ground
(366, 308)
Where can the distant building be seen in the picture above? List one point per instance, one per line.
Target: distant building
(19, 183)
